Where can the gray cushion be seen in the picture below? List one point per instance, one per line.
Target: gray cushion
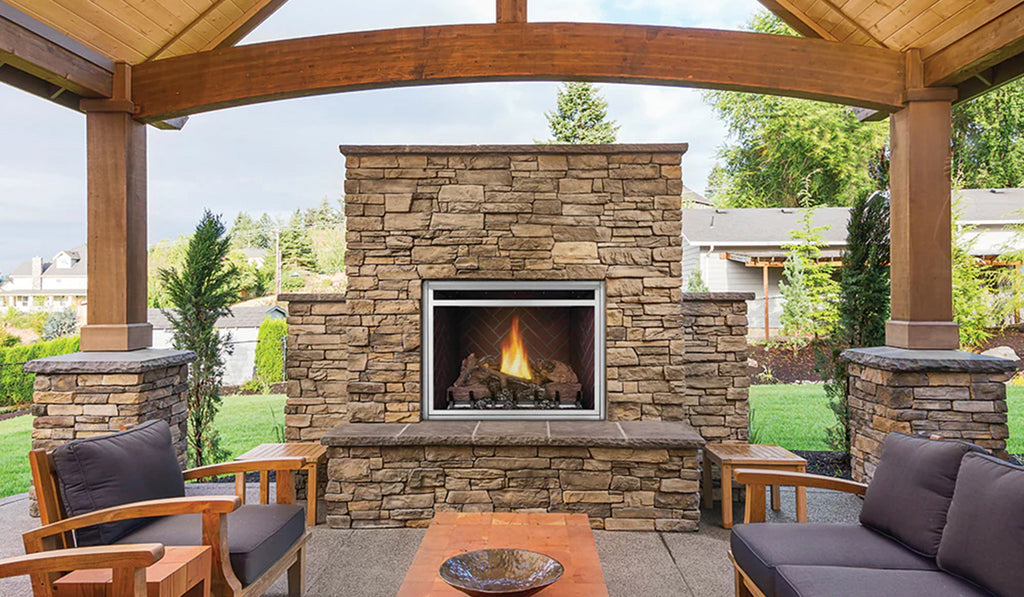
(257, 535)
(984, 537)
(130, 466)
(760, 548)
(831, 581)
(911, 490)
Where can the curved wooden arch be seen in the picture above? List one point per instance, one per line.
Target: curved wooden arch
(792, 66)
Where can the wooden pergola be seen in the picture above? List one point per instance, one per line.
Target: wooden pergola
(129, 64)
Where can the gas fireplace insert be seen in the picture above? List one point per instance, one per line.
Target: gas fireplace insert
(513, 349)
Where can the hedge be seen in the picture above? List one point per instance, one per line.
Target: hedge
(270, 351)
(15, 383)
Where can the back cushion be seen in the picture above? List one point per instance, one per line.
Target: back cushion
(984, 537)
(131, 466)
(910, 493)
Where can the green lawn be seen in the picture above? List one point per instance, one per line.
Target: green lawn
(243, 422)
(796, 416)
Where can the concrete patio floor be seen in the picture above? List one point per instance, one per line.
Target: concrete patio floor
(372, 563)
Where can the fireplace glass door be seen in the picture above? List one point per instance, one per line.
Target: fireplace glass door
(513, 350)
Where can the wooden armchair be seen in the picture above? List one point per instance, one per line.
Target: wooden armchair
(177, 520)
(128, 562)
(757, 480)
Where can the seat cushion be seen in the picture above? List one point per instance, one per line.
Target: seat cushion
(910, 492)
(257, 535)
(984, 537)
(830, 581)
(130, 466)
(760, 548)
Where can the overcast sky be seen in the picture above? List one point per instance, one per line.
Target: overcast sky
(282, 155)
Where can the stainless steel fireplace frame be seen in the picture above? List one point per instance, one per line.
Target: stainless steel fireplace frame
(597, 302)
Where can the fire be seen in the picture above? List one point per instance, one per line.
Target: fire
(514, 360)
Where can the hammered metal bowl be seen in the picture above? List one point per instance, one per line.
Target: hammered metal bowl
(505, 572)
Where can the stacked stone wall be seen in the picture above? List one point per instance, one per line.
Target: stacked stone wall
(619, 488)
(717, 374)
(955, 396)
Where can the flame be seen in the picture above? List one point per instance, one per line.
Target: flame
(514, 360)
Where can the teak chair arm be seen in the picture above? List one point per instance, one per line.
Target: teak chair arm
(116, 557)
(214, 505)
(757, 480)
(246, 466)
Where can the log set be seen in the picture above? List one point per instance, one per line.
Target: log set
(481, 384)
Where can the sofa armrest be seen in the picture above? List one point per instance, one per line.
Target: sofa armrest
(757, 480)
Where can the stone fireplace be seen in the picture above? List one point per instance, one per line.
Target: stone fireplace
(513, 350)
(512, 338)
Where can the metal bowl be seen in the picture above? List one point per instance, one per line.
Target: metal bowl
(505, 572)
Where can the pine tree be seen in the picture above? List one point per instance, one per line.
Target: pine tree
(581, 116)
(200, 293)
(297, 245)
(863, 303)
(808, 290)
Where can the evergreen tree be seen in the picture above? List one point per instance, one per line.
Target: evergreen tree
(863, 303)
(581, 116)
(973, 286)
(297, 245)
(988, 139)
(808, 290)
(695, 283)
(200, 293)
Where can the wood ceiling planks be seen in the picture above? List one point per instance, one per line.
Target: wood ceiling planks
(135, 31)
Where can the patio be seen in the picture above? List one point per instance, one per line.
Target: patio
(363, 562)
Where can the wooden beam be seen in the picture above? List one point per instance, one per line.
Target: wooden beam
(733, 60)
(995, 77)
(116, 163)
(43, 52)
(511, 11)
(921, 270)
(984, 48)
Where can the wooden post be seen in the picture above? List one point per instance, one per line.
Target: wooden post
(922, 300)
(767, 318)
(511, 11)
(116, 146)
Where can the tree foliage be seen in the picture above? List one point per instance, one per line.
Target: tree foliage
(60, 324)
(581, 116)
(974, 286)
(15, 383)
(787, 152)
(988, 139)
(270, 351)
(695, 283)
(808, 289)
(864, 290)
(199, 293)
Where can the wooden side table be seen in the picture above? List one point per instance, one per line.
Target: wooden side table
(729, 456)
(565, 537)
(314, 453)
(182, 572)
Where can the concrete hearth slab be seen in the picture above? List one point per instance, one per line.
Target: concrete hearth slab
(600, 434)
(373, 563)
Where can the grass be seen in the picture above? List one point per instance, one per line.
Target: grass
(243, 422)
(796, 416)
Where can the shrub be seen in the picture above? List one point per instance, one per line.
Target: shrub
(15, 383)
(270, 351)
(60, 324)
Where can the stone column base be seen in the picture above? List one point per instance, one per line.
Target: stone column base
(957, 395)
(87, 394)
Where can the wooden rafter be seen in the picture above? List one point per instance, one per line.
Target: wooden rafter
(798, 67)
(986, 47)
(229, 35)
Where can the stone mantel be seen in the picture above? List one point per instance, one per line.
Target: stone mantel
(592, 434)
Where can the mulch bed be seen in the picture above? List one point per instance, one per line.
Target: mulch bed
(14, 413)
(830, 464)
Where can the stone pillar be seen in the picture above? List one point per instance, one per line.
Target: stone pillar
(87, 394)
(949, 393)
(717, 375)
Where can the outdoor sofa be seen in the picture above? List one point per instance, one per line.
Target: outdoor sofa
(940, 518)
(127, 488)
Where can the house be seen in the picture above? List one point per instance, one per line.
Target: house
(741, 250)
(243, 324)
(47, 285)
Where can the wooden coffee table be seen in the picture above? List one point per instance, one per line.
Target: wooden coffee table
(314, 452)
(565, 537)
(731, 456)
(182, 572)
